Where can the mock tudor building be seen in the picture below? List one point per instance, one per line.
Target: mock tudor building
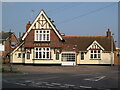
(42, 43)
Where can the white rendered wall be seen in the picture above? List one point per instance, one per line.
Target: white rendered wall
(105, 59)
(29, 61)
(15, 59)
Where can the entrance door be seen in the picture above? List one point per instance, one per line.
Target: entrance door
(68, 58)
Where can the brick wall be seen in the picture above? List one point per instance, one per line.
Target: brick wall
(116, 58)
(54, 40)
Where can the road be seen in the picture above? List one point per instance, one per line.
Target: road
(79, 77)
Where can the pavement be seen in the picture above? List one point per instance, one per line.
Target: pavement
(62, 77)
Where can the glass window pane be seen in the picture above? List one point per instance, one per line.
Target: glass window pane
(28, 55)
(82, 56)
(36, 31)
(43, 54)
(98, 55)
(95, 51)
(44, 31)
(57, 56)
(47, 54)
(91, 51)
(40, 37)
(36, 55)
(98, 51)
(36, 48)
(40, 31)
(91, 56)
(40, 55)
(95, 55)
(19, 55)
(23, 55)
(47, 49)
(44, 37)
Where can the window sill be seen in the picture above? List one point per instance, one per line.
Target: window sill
(95, 59)
(41, 41)
(42, 59)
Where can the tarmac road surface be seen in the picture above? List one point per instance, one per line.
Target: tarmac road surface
(58, 77)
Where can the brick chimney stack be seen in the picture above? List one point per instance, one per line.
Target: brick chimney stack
(108, 33)
(28, 25)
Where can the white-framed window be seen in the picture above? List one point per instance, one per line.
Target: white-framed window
(95, 54)
(42, 53)
(42, 35)
(28, 55)
(19, 55)
(68, 56)
(57, 55)
(23, 55)
(82, 55)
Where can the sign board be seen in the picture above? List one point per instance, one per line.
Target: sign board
(68, 63)
(2, 47)
(41, 44)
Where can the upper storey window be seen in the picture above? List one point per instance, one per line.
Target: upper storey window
(42, 35)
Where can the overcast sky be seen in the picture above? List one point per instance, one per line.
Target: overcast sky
(71, 18)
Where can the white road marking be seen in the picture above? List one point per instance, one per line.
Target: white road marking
(95, 78)
(49, 84)
(21, 84)
(63, 86)
(85, 87)
(100, 78)
(68, 85)
(56, 83)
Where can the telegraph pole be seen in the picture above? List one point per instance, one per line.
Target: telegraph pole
(32, 13)
(10, 65)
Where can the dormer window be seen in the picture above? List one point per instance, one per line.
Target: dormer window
(42, 35)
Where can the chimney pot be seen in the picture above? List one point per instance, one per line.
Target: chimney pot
(108, 33)
(28, 25)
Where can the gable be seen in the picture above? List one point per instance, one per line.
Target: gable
(42, 22)
(95, 45)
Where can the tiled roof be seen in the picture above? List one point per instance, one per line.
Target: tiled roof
(81, 43)
(5, 35)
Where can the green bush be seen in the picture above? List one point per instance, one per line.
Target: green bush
(2, 69)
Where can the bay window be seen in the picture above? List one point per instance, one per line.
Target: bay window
(42, 53)
(42, 35)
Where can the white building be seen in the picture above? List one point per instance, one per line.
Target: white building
(42, 43)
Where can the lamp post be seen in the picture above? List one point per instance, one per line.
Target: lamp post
(112, 51)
